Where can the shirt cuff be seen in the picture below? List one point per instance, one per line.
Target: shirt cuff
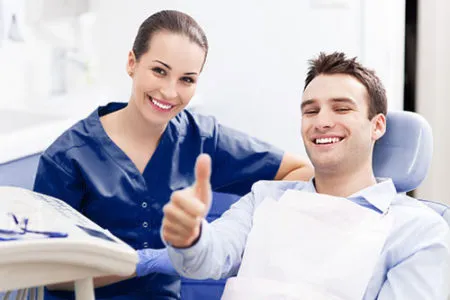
(185, 258)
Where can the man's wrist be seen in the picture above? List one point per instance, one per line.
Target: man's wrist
(196, 245)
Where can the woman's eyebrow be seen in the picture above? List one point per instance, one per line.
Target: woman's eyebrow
(170, 68)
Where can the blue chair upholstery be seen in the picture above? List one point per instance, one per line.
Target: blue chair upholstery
(404, 153)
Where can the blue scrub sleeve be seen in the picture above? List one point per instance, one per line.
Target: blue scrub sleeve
(52, 180)
(241, 160)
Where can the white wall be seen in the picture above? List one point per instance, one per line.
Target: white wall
(433, 91)
(13, 57)
(256, 66)
(258, 51)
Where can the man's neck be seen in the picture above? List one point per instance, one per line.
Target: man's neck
(344, 185)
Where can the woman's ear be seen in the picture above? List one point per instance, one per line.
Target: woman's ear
(131, 63)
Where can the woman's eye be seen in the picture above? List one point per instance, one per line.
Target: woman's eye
(188, 80)
(159, 71)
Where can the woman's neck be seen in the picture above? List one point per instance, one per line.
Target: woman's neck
(131, 124)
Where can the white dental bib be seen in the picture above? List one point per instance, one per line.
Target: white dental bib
(309, 246)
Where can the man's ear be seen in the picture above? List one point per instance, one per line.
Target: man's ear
(378, 126)
(131, 63)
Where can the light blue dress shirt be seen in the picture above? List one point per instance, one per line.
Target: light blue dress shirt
(414, 262)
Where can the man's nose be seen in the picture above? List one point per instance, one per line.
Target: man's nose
(324, 120)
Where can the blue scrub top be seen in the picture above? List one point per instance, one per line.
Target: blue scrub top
(86, 169)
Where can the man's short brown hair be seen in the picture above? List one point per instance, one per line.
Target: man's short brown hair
(338, 63)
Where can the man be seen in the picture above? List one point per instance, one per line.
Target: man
(343, 235)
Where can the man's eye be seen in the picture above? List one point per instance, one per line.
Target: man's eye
(309, 112)
(343, 109)
(159, 71)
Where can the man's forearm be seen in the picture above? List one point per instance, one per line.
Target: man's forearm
(217, 253)
(196, 261)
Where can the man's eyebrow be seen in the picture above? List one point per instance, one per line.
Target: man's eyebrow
(307, 102)
(344, 100)
(338, 100)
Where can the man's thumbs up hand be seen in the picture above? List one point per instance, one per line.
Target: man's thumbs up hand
(202, 185)
(187, 208)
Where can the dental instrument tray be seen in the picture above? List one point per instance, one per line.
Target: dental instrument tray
(44, 241)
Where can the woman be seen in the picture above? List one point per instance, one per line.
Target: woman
(120, 165)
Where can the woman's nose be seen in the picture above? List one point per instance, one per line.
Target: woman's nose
(169, 91)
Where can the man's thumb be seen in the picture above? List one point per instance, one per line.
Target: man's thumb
(202, 186)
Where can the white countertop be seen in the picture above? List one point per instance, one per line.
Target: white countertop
(30, 129)
(23, 133)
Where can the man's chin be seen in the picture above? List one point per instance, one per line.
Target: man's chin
(328, 166)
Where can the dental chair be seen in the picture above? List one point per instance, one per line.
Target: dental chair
(404, 154)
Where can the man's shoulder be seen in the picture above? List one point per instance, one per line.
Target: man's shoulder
(414, 208)
(418, 218)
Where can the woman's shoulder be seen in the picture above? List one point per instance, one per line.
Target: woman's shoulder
(80, 134)
(190, 122)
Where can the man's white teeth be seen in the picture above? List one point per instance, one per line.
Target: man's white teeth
(327, 140)
(160, 105)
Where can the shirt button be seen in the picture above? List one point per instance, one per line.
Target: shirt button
(144, 204)
(145, 224)
(145, 244)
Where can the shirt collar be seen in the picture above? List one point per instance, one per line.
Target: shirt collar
(379, 195)
(310, 187)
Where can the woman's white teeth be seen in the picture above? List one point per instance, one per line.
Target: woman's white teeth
(160, 105)
(327, 140)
